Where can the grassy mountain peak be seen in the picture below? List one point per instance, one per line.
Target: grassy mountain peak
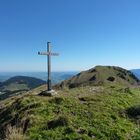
(102, 75)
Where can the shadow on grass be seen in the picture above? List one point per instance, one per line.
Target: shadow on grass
(60, 122)
(133, 112)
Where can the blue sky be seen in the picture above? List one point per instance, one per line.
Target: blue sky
(86, 33)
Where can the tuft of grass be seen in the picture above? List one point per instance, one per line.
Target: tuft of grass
(14, 133)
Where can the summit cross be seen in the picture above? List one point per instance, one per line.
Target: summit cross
(49, 54)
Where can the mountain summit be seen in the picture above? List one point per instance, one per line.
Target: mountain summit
(102, 75)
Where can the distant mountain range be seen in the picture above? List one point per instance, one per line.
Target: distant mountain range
(56, 76)
(136, 72)
(19, 81)
(14, 85)
(18, 85)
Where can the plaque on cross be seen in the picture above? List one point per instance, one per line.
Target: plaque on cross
(49, 54)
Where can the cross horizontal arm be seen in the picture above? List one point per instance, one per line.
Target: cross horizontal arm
(43, 53)
(54, 54)
(48, 53)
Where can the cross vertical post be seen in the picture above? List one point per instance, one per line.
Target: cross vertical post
(49, 67)
(49, 54)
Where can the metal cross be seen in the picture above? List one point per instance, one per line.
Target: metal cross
(49, 54)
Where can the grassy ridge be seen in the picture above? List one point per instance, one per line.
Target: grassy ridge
(102, 75)
(83, 113)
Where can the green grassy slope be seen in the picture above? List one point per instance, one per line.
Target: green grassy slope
(84, 113)
(102, 75)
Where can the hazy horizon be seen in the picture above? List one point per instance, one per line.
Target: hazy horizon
(28, 71)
